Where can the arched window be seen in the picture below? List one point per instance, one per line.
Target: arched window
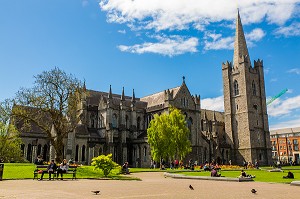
(39, 149)
(253, 88)
(29, 152)
(83, 153)
(101, 121)
(236, 88)
(93, 120)
(138, 123)
(145, 153)
(22, 148)
(100, 151)
(126, 122)
(77, 153)
(189, 123)
(202, 123)
(115, 121)
(45, 152)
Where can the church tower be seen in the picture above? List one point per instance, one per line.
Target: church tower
(246, 119)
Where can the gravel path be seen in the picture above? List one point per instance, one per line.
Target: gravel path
(153, 185)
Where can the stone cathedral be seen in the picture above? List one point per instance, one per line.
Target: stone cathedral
(117, 123)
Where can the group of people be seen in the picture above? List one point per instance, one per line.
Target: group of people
(52, 168)
(247, 165)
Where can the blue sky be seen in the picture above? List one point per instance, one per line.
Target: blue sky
(148, 45)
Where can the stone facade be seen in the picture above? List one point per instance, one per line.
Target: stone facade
(117, 124)
(246, 120)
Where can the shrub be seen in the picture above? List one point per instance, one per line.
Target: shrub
(104, 163)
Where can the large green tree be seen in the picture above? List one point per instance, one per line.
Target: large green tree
(168, 135)
(50, 105)
(10, 141)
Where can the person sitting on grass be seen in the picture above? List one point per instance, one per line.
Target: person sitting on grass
(214, 173)
(289, 175)
(244, 175)
(206, 167)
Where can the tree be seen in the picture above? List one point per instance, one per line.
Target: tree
(168, 136)
(51, 105)
(10, 142)
(104, 163)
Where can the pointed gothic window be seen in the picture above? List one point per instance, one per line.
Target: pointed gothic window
(101, 121)
(126, 122)
(236, 88)
(138, 123)
(114, 121)
(189, 123)
(253, 88)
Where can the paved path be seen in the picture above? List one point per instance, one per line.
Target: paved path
(153, 185)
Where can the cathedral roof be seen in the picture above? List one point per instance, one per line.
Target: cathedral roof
(93, 98)
(158, 98)
(219, 116)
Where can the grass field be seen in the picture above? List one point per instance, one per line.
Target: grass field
(261, 175)
(25, 171)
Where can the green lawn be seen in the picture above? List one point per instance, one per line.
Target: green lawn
(260, 175)
(25, 171)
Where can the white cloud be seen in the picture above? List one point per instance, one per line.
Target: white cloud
(294, 70)
(178, 14)
(122, 31)
(284, 107)
(255, 35)
(216, 42)
(291, 30)
(170, 46)
(286, 124)
(216, 104)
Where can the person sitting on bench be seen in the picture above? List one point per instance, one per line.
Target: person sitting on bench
(50, 170)
(63, 168)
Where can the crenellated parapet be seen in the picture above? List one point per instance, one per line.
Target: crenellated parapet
(258, 63)
(227, 65)
(169, 95)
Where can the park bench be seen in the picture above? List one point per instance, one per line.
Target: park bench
(40, 168)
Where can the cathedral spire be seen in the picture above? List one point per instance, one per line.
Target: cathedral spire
(110, 93)
(240, 45)
(133, 96)
(123, 95)
(84, 86)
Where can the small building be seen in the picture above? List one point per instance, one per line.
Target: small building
(285, 145)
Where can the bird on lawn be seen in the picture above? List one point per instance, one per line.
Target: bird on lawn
(96, 192)
(253, 191)
(191, 187)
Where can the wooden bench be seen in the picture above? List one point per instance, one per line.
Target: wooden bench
(40, 168)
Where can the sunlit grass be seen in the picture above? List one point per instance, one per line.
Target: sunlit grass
(260, 175)
(25, 171)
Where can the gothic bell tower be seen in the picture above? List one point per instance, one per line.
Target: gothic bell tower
(246, 119)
